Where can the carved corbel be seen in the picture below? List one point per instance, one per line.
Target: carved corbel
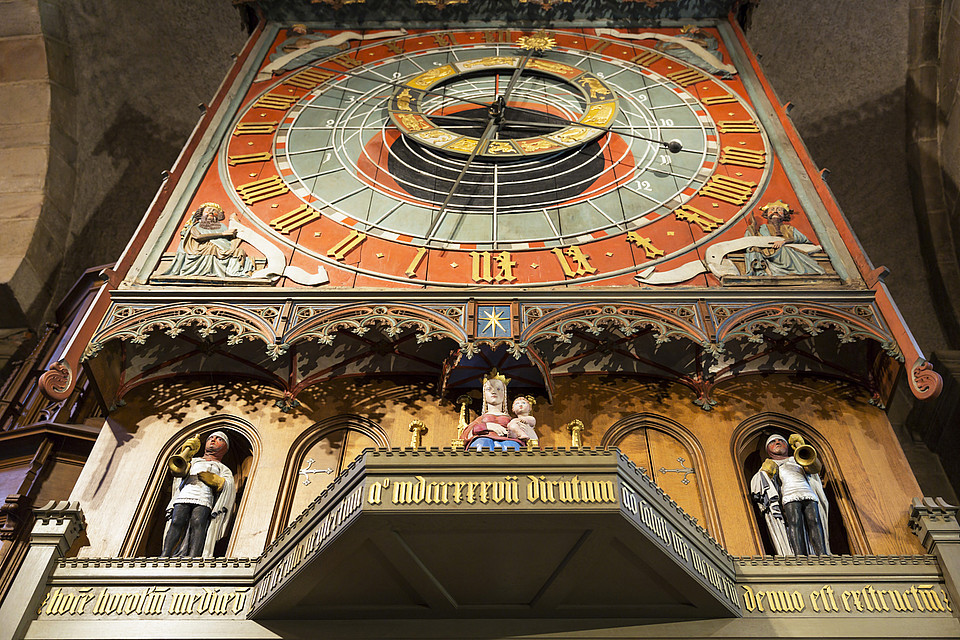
(925, 383)
(57, 382)
(15, 511)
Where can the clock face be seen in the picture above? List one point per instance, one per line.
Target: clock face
(464, 158)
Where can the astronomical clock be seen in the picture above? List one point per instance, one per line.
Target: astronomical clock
(499, 157)
(511, 322)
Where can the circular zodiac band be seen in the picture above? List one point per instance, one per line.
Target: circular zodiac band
(600, 109)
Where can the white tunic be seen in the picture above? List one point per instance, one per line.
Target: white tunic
(192, 490)
(794, 485)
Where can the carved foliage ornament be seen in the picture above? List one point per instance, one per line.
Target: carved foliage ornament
(926, 382)
(57, 382)
(812, 319)
(626, 319)
(133, 323)
(136, 325)
(394, 320)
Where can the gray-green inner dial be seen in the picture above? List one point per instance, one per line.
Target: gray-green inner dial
(348, 158)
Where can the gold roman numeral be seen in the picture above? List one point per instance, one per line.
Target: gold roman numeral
(415, 263)
(686, 77)
(743, 157)
(644, 243)
(295, 219)
(247, 158)
(344, 60)
(497, 35)
(728, 189)
(393, 47)
(482, 270)
(348, 244)
(251, 128)
(309, 78)
(712, 100)
(254, 192)
(737, 126)
(278, 101)
(578, 265)
(443, 40)
(646, 58)
(599, 46)
(702, 219)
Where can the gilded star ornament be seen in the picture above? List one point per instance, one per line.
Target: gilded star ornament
(539, 41)
(493, 318)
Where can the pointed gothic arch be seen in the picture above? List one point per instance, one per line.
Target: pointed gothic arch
(666, 438)
(845, 529)
(337, 430)
(145, 533)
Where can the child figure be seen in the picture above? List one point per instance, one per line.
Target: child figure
(522, 427)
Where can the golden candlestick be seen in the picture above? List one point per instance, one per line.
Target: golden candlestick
(464, 402)
(417, 429)
(575, 428)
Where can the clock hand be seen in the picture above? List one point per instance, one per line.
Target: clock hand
(514, 78)
(492, 125)
(673, 146)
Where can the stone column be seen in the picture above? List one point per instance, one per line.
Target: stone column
(935, 523)
(57, 527)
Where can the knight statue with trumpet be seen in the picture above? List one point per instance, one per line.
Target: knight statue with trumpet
(789, 493)
(203, 496)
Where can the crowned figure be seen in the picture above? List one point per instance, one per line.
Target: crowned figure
(491, 429)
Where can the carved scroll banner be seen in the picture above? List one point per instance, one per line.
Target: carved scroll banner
(715, 260)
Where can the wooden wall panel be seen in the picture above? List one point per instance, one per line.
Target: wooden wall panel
(327, 453)
(876, 474)
(666, 452)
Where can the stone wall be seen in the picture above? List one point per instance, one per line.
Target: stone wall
(37, 156)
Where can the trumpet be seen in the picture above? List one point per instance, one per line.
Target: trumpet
(804, 454)
(179, 463)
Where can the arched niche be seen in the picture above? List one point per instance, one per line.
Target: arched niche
(845, 532)
(145, 536)
(332, 444)
(672, 457)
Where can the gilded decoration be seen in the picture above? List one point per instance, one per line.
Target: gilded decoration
(708, 329)
(539, 41)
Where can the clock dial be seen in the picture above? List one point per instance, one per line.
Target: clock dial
(476, 148)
